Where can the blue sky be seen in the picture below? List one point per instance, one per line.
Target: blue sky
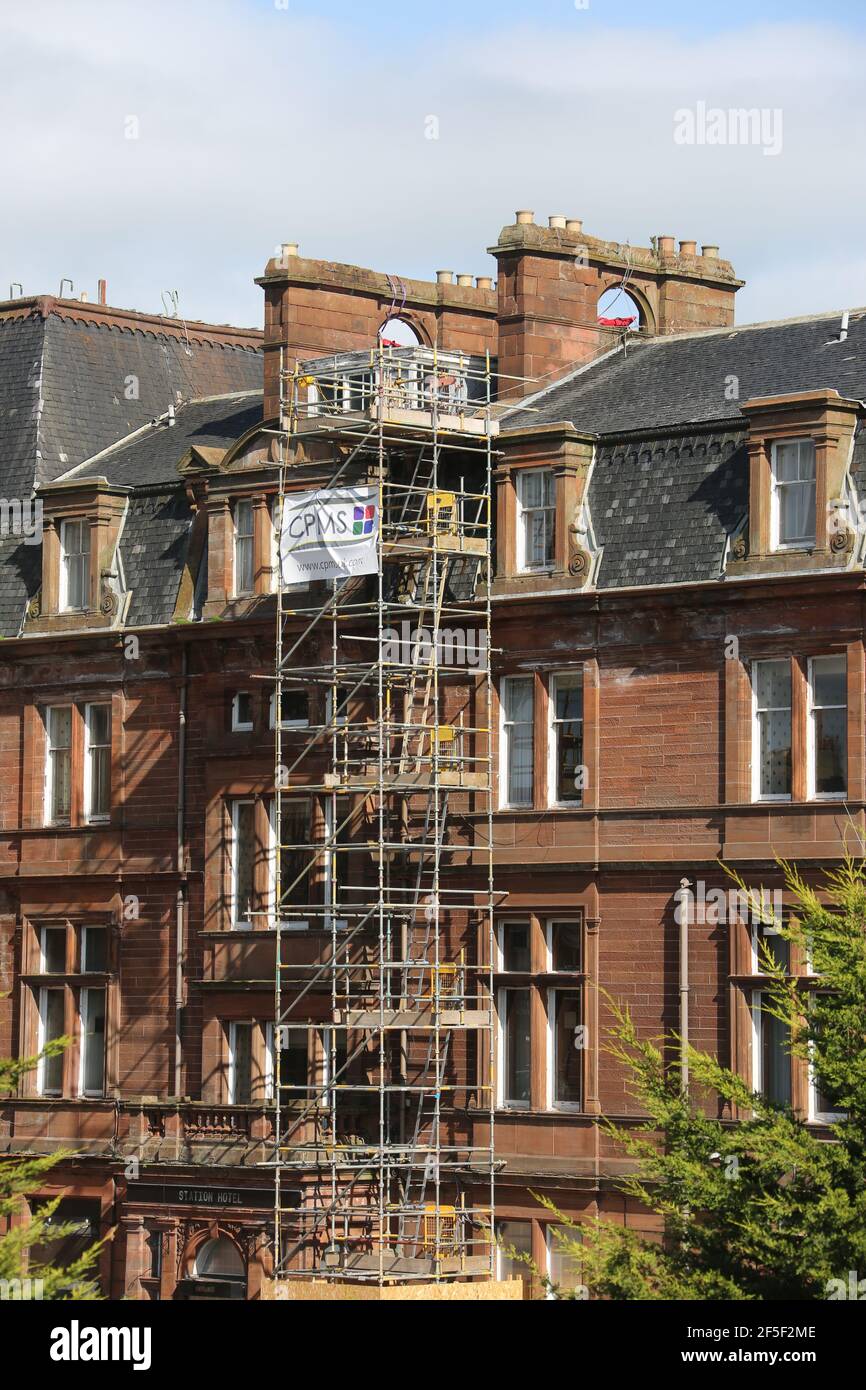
(256, 123)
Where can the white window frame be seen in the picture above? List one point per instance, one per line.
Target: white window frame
(775, 511)
(811, 752)
(103, 817)
(241, 726)
(523, 512)
(65, 606)
(816, 1116)
(49, 765)
(286, 723)
(248, 538)
(502, 926)
(575, 803)
(231, 1078)
(552, 922)
(85, 932)
(754, 937)
(550, 1246)
(301, 925)
(505, 748)
(41, 1039)
(758, 1045)
(43, 969)
(83, 1015)
(757, 796)
(520, 1107)
(567, 1107)
(236, 804)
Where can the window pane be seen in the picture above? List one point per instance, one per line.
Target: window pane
(829, 724)
(773, 699)
(51, 1014)
(243, 547)
(294, 856)
(243, 709)
(293, 1057)
(95, 950)
(794, 480)
(243, 859)
(565, 945)
(93, 1040)
(775, 1059)
(517, 1046)
(242, 1063)
(295, 707)
(518, 716)
(59, 750)
(566, 1005)
(829, 681)
(563, 1268)
(515, 946)
(830, 751)
(567, 736)
(98, 759)
(54, 950)
(778, 947)
(513, 1238)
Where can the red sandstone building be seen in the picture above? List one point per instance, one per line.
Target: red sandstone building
(677, 614)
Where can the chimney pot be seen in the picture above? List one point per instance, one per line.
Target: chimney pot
(289, 248)
(484, 282)
(103, 291)
(445, 277)
(465, 279)
(666, 245)
(557, 222)
(574, 225)
(688, 248)
(83, 297)
(524, 217)
(710, 251)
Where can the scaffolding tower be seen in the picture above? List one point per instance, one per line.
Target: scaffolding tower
(384, 1148)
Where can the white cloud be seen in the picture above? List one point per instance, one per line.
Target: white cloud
(258, 126)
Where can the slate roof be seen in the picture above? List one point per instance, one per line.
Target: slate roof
(663, 509)
(151, 456)
(670, 479)
(686, 378)
(65, 381)
(74, 380)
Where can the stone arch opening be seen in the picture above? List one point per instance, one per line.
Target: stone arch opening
(405, 330)
(618, 304)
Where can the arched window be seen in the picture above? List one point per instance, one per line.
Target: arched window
(616, 307)
(400, 332)
(219, 1259)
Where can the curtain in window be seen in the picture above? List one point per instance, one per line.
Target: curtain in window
(773, 699)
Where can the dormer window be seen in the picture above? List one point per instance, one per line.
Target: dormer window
(74, 565)
(536, 518)
(243, 547)
(793, 502)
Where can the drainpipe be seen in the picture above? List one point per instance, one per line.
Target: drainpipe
(684, 898)
(181, 888)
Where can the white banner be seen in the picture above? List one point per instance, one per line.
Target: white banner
(329, 535)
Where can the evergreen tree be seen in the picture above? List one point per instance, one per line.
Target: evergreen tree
(20, 1175)
(763, 1208)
